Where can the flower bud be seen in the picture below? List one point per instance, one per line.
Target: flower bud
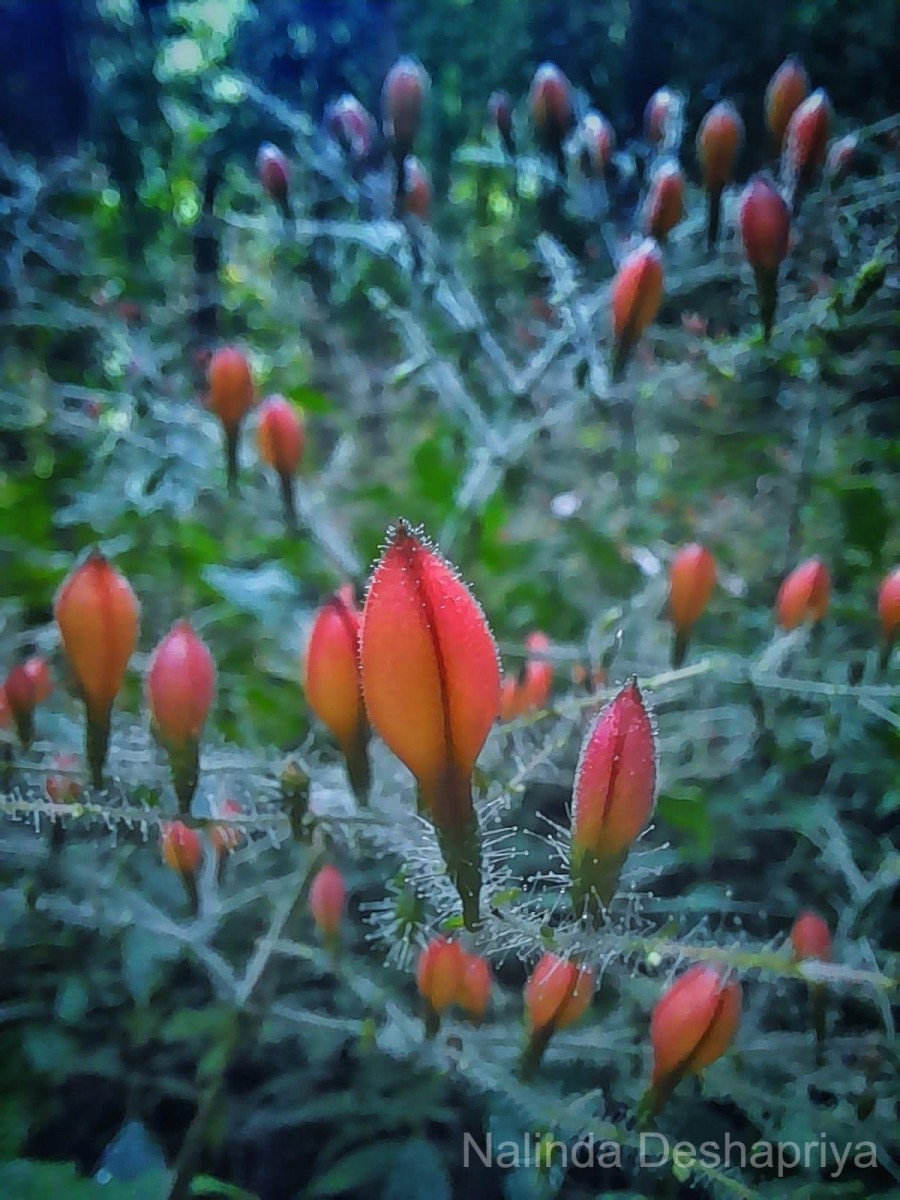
(417, 190)
(718, 145)
(440, 975)
(841, 157)
(889, 607)
(807, 140)
(181, 685)
(550, 101)
(787, 90)
(531, 689)
(557, 994)
(804, 594)
(403, 98)
(692, 577)
(226, 838)
(327, 901)
(272, 170)
(693, 1024)
(64, 785)
(636, 296)
(658, 116)
(5, 710)
(182, 850)
(598, 141)
(332, 683)
(615, 787)
(351, 126)
(27, 685)
(811, 937)
(765, 223)
(280, 435)
(475, 988)
(97, 614)
(431, 684)
(231, 395)
(500, 116)
(664, 206)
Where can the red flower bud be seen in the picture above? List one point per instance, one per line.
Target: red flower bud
(692, 577)
(272, 169)
(231, 391)
(636, 296)
(182, 849)
(811, 937)
(402, 98)
(431, 684)
(181, 684)
(841, 156)
(500, 116)
(718, 144)
(787, 90)
(351, 126)
(557, 994)
(807, 139)
(693, 1024)
(664, 206)
(440, 973)
(63, 785)
(532, 688)
(226, 838)
(765, 222)
(27, 685)
(5, 710)
(658, 115)
(416, 190)
(889, 604)
(804, 594)
(332, 682)
(475, 988)
(615, 787)
(97, 614)
(598, 141)
(327, 901)
(550, 100)
(280, 435)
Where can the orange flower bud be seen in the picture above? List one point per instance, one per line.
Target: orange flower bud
(351, 126)
(841, 156)
(280, 435)
(615, 787)
(431, 683)
(692, 577)
(787, 90)
(272, 169)
(718, 145)
(63, 785)
(182, 850)
(811, 937)
(636, 296)
(332, 683)
(807, 139)
(181, 684)
(440, 973)
(693, 1024)
(327, 901)
(231, 395)
(557, 994)
(598, 141)
(97, 614)
(550, 101)
(475, 988)
(500, 116)
(417, 190)
(889, 604)
(804, 594)
(664, 206)
(403, 98)
(27, 685)
(658, 116)
(531, 689)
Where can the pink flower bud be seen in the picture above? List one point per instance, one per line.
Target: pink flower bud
(693, 1024)
(327, 901)
(807, 139)
(841, 156)
(637, 292)
(550, 100)
(272, 169)
(804, 594)
(664, 206)
(557, 994)
(658, 115)
(351, 126)
(889, 605)
(598, 141)
(181, 685)
(500, 116)
(280, 435)
(27, 686)
(692, 577)
(416, 190)
(719, 142)
(226, 838)
(787, 90)
(5, 710)
(182, 849)
(403, 98)
(765, 223)
(811, 937)
(531, 689)
(440, 973)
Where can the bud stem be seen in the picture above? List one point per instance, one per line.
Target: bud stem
(714, 216)
(184, 763)
(594, 882)
(356, 755)
(231, 458)
(24, 722)
(766, 297)
(286, 483)
(97, 744)
(460, 841)
(534, 1051)
(679, 647)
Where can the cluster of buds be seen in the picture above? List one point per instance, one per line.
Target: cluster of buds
(637, 292)
(27, 685)
(614, 794)
(182, 850)
(664, 203)
(557, 994)
(403, 101)
(327, 903)
(719, 141)
(787, 90)
(333, 686)
(804, 594)
(692, 577)
(500, 118)
(889, 613)
(530, 689)
(765, 223)
(448, 976)
(806, 143)
(281, 438)
(352, 126)
(550, 104)
(431, 683)
(230, 397)
(597, 141)
(272, 172)
(181, 685)
(97, 614)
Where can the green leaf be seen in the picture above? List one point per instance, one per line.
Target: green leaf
(417, 1174)
(360, 1168)
(205, 1185)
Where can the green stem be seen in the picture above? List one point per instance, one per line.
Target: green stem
(184, 763)
(594, 882)
(679, 647)
(286, 484)
(356, 755)
(97, 744)
(534, 1051)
